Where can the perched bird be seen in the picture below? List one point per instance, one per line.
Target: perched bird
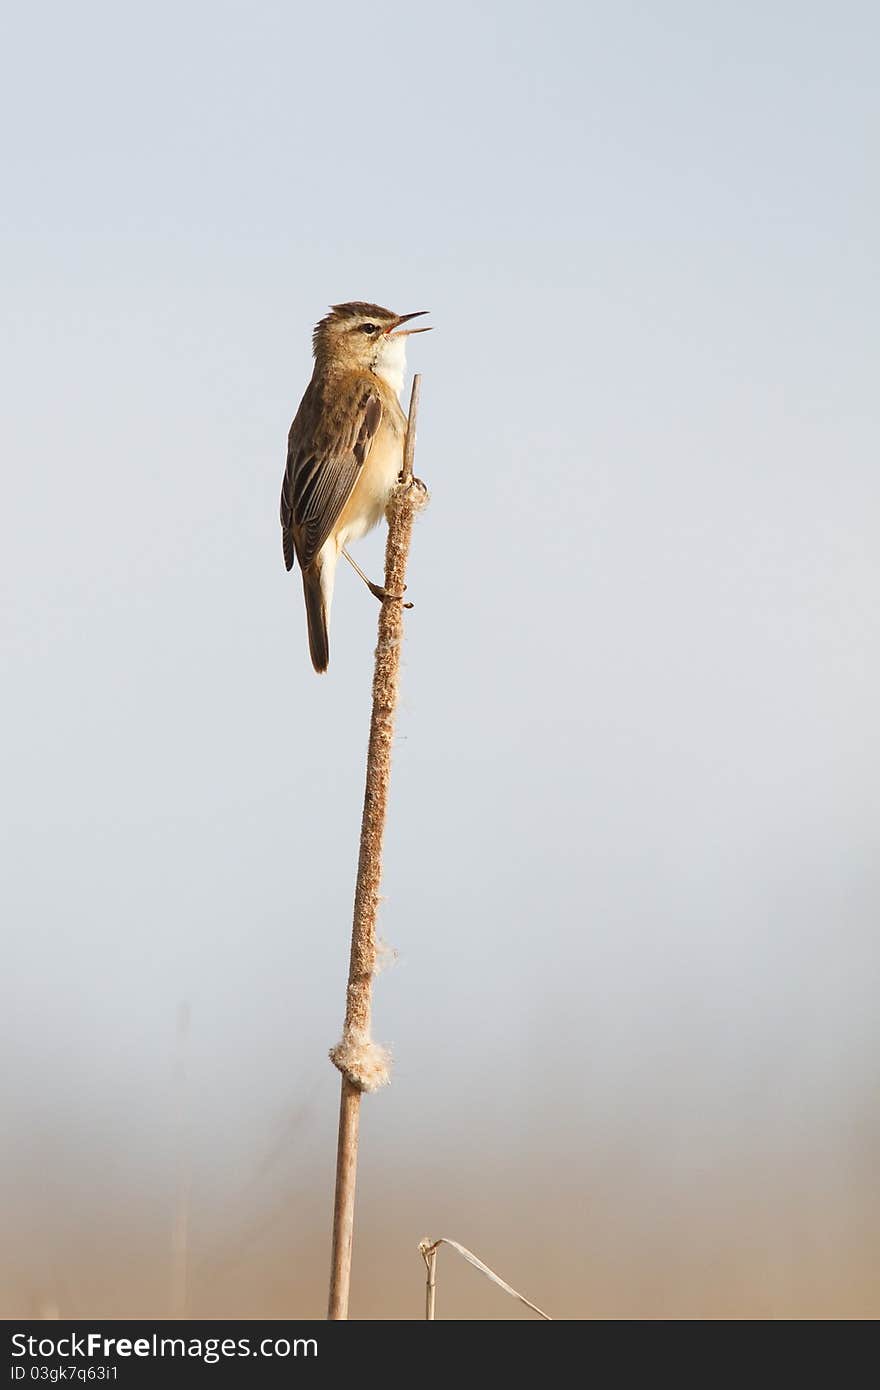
(344, 451)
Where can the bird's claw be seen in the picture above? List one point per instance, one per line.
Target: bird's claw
(381, 593)
(414, 482)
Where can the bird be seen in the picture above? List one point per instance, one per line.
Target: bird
(344, 452)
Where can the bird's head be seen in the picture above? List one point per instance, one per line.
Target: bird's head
(365, 337)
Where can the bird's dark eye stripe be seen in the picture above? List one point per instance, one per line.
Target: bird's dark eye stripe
(369, 328)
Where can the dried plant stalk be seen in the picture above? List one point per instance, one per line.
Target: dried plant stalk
(430, 1258)
(428, 1251)
(180, 1231)
(365, 1066)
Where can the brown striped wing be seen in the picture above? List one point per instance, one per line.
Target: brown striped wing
(328, 445)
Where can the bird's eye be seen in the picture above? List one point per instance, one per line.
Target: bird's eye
(369, 328)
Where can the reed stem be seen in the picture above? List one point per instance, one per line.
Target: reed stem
(365, 1065)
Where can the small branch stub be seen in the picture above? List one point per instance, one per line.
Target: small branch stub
(366, 1065)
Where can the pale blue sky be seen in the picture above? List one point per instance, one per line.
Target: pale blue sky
(631, 867)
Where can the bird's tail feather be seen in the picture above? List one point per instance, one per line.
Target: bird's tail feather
(316, 616)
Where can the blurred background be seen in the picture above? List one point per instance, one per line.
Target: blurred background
(632, 861)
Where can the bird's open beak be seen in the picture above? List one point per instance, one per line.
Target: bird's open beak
(395, 330)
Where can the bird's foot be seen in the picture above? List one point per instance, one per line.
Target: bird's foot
(414, 482)
(381, 593)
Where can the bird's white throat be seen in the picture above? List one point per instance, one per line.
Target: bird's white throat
(390, 362)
